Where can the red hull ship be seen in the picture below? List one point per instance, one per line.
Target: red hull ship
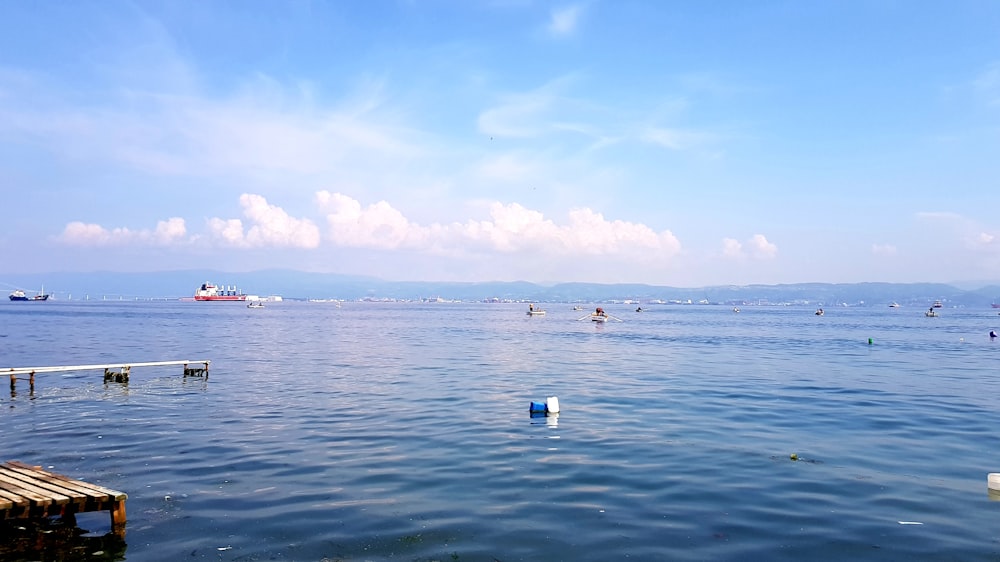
(210, 292)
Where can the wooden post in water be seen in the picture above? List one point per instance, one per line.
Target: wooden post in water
(117, 372)
(196, 371)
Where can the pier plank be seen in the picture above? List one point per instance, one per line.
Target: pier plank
(29, 491)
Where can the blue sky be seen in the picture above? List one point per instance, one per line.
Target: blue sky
(673, 143)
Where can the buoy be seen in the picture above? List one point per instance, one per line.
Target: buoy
(993, 481)
(552, 405)
(869, 341)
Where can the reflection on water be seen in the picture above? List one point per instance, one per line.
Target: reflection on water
(400, 431)
(54, 539)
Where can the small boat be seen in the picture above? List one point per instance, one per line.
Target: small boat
(931, 313)
(595, 317)
(819, 312)
(581, 308)
(736, 309)
(532, 311)
(937, 304)
(894, 305)
(255, 304)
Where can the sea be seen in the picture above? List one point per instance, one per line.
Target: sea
(402, 431)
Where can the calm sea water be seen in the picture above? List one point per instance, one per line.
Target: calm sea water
(401, 431)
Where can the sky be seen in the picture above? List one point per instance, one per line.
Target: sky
(664, 142)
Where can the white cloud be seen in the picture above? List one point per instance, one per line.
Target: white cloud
(510, 228)
(506, 167)
(261, 128)
(676, 139)
(731, 248)
(761, 248)
(756, 247)
(520, 116)
(377, 226)
(938, 215)
(166, 233)
(270, 226)
(545, 110)
(883, 250)
(564, 20)
(987, 84)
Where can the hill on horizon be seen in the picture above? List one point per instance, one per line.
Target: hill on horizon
(306, 285)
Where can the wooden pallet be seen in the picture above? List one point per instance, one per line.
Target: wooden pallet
(30, 492)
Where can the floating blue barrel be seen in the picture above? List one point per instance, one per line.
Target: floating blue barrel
(537, 408)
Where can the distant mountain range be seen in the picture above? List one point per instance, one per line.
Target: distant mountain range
(304, 285)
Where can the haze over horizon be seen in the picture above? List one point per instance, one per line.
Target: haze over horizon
(673, 144)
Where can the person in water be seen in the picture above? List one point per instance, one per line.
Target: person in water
(993, 335)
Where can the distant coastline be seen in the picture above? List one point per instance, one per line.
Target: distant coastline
(296, 285)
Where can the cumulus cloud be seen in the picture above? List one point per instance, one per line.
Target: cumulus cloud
(731, 248)
(167, 232)
(510, 228)
(270, 226)
(761, 248)
(377, 226)
(756, 247)
(564, 20)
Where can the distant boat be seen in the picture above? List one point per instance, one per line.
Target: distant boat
(532, 311)
(255, 304)
(931, 313)
(19, 295)
(819, 312)
(599, 316)
(210, 292)
(937, 304)
(736, 309)
(894, 305)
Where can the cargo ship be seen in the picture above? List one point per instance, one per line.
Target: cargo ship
(211, 292)
(19, 295)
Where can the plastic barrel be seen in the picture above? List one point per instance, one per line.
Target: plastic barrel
(552, 404)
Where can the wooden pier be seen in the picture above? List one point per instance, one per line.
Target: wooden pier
(28, 492)
(116, 372)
